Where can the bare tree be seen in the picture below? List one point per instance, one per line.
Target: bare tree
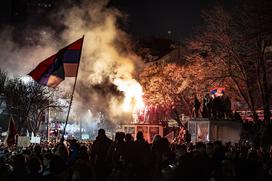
(171, 85)
(230, 54)
(3, 79)
(27, 102)
(256, 20)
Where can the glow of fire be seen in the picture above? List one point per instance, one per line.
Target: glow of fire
(26, 79)
(133, 94)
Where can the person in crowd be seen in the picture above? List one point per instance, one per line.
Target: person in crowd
(197, 105)
(99, 155)
(58, 169)
(227, 107)
(4, 172)
(129, 160)
(117, 149)
(19, 168)
(187, 137)
(34, 168)
(115, 155)
(205, 108)
(141, 157)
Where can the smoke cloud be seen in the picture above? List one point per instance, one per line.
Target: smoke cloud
(107, 57)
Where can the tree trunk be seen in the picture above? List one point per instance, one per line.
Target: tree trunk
(262, 81)
(248, 98)
(266, 104)
(253, 107)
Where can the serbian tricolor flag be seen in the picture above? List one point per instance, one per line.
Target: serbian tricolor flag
(64, 63)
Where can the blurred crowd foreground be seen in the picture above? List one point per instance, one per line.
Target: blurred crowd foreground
(126, 159)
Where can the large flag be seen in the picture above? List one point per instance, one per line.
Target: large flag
(10, 140)
(64, 63)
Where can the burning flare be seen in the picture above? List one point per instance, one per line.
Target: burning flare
(107, 55)
(133, 94)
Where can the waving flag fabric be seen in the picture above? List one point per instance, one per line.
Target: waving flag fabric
(219, 91)
(64, 63)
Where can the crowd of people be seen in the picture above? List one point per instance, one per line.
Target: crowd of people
(126, 159)
(216, 107)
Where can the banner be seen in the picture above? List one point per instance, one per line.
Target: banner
(35, 139)
(23, 141)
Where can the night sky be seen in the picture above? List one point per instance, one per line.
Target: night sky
(145, 18)
(158, 17)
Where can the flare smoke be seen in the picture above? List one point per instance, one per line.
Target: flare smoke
(106, 76)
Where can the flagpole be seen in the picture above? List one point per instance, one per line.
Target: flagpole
(72, 96)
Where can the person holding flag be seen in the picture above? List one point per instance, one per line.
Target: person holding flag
(53, 70)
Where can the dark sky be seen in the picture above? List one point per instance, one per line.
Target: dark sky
(157, 17)
(146, 17)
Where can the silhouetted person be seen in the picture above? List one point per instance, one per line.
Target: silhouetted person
(187, 137)
(196, 107)
(237, 116)
(142, 155)
(4, 172)
(62, 151)
(57, 169)
(117, 150)
(205, 112)
(228, 107)
(202, 163)
(216, 107)
(19, 172)
(99, 153)
(35, 168)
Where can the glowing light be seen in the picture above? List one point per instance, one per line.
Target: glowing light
(90, 113)
(26, 79)
(70, 128)
(133, 94)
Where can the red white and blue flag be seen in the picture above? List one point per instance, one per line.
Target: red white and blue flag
(53, 70)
